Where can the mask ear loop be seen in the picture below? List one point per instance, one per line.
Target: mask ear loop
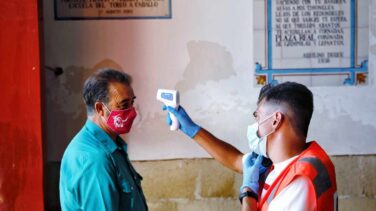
(106, 108)
(116, 99)
(108, 112)
(268, 117)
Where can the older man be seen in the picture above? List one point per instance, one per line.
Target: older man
(96, 173)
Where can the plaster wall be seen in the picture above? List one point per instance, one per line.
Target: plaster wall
(205, 51)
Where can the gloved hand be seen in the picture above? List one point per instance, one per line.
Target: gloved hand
(186, 123)
(252, 169)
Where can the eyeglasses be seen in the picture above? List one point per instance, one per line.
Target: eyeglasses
(126, 103)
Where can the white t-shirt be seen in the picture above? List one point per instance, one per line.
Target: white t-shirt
(296, 196)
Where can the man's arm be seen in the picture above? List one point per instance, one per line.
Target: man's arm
(249, 204)
(99, 190)
(88, 182)
(223, 152)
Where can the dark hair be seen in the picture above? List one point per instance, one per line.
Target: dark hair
(297, 97)
(96, 86)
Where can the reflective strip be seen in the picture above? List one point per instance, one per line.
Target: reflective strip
(322, 180)
(271, 196)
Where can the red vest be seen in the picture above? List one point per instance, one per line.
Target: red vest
(316, 165)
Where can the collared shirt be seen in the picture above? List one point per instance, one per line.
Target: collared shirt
(96, 174)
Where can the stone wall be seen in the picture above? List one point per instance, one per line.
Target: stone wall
(205, 185)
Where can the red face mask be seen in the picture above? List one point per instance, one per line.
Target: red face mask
(120, 121)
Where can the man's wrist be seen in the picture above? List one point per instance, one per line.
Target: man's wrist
(245, 189)
(248, 193)
(249, 187)
(196, 129)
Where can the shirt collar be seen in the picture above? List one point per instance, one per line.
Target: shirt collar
(121, 143)
(279, 167)
(104, 138)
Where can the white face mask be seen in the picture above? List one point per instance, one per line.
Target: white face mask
(257, 144)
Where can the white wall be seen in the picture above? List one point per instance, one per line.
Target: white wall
(204, 51)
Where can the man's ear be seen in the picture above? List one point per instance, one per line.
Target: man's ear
(99, 108)
(278, 118)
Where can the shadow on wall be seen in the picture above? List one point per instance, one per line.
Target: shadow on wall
(65, 115)
(208, 62)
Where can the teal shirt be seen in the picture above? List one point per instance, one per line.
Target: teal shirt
(96, 174)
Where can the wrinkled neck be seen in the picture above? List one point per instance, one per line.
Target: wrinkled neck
(101, 122)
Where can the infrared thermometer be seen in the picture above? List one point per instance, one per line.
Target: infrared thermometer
(170, 98)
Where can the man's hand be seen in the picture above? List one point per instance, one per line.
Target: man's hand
(186, 123)
(252, 169)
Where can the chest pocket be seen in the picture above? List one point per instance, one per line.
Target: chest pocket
(129, 182)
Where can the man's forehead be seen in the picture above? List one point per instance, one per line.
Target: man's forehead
(119, 91)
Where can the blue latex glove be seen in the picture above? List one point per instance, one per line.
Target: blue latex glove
(186, 124)
(252, 169)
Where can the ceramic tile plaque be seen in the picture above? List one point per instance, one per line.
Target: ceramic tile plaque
(112, 9)
(314, 42)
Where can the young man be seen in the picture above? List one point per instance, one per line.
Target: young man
(302, 176)
(96, 173)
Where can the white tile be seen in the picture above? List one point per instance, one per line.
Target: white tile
(363, 42)
(328, 80)
(259, 15)
(363, 13)
(259, 47)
